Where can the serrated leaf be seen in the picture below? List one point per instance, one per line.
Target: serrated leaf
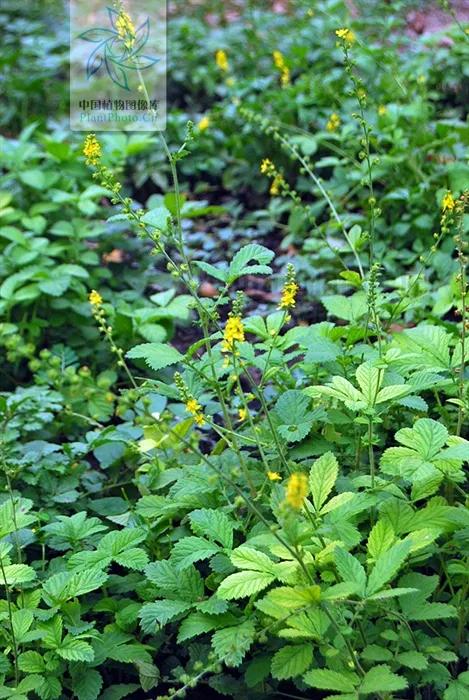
(240, 263)
(380, 679)
(119, 541)
(156, 355)
(432, 611)
(294, 417)
(157, 218)
(369, 379)
(31, 662)
(386, 567)
(413, 659)
(214, 524)
(350, 569)
(322, 678)
(199, 623)
(380, 539)
(243, 584)
(21, 621)
(322, 478)
(248, 558)
(291, 661)
(75, 650)
(391, 593)
(161, 612)
(232, 643)
(133, 558)
(87, 684)
(16, 574)
(218, 273)
(192, 549)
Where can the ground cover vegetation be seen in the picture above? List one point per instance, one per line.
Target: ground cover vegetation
(233, 378)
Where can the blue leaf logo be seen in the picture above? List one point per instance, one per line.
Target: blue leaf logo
(113, 54)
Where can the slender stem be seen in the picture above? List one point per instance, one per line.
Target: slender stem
(10, 619)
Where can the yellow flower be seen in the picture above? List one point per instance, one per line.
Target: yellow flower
(242, 413)
(333, 123)
(297, 490)
(448, 203)
(289, 293)
(279, 61)
(221, 59)
(126, 29)
(276, 182)
(204, 123)
(346, 35)
(266, 166)
(382, 110)
(273, 476)
(95, 298)
(282, 67)
(230, 82)
(92, 150)
(192, 406)
(234, 331)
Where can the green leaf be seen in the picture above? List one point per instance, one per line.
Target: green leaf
(391, 593)
(248, 558)
(156, 355)
(73, 649)
(31, 662)
(390, 393)
(65, 585)
(369, 379)
(458, 689)
(192, 549)
(15, 574)
(349, 308)
(413, 659)
(253, 251)
(380, 679)
(133, 558)
(426, 437)
(119, 691)
(386, 567)
(199, 623)
(322, 478)
(118, 541)
(380, 539)
(157, 218)
(350, 569)
(324, 679)
(214, 524)
(232, 643)
(432, 611)
(22, 621)
(87, 684)
(291, 661)
(33, 178)
(219, 273)
(243, 584)
(160, 613)
(295, 419)
(341, 389)
(187, 584)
